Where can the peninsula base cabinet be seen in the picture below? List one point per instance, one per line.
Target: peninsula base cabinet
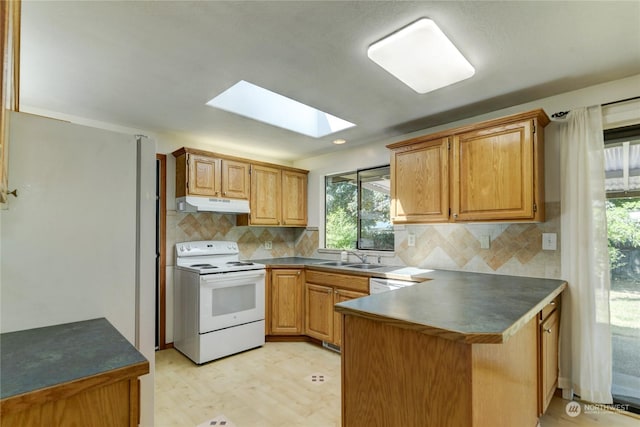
(322, 291)
(548, 332)
(395, 374)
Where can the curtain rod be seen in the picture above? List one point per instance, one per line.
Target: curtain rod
(563, 114)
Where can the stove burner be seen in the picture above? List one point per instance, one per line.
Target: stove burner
(239, 263)
(203, 266)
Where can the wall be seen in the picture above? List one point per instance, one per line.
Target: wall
(515, 248)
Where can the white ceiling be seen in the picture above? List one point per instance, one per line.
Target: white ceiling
(154, 64)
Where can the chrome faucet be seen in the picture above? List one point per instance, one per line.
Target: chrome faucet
(362, 257)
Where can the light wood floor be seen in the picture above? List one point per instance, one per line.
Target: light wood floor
(274, 386)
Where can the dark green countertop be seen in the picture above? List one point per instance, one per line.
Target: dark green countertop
(469, 307)
(34, 359)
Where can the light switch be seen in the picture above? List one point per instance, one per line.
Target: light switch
(549, 242)
(411, 240)
(268, 245)
(485, 242)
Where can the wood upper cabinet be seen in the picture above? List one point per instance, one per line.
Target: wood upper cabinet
(420, 182)
(322, 291)
(199, 173)
(497, 172)
(549, 333)
(489, 171)
(278, 197)
(286, 302)
(235, 179)
(294, 198)
(204, 176)
(266, 187)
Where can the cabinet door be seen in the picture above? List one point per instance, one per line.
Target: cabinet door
(294, 198)
(235, 179)
(341, 295)
(265, 195)
(204, 176)
(420, 182)
(549, 332)
(319, 312)
(287, 287)
(493, 173)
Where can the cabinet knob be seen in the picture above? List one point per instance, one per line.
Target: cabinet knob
(548, 330)
(298, 273)
(455, 215)
(552, 303)
(329, 292)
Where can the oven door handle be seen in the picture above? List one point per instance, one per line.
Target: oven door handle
(222, 279)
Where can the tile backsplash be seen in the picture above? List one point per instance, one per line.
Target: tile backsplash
(515, 248)
(184, 227)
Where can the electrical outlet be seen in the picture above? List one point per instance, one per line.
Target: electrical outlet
(411, 240)
(549, 242)
(268, 245)
(485, 242)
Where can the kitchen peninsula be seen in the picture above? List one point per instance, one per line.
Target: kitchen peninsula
(459, 350)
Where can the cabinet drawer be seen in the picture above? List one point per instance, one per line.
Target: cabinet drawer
(345, 281)
(549, 308)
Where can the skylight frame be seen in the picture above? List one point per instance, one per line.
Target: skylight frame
(249, 100)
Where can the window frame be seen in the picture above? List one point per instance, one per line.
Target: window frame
(358, 200)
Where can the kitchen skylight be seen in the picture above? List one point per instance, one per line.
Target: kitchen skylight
(421, 56)
(255, 102)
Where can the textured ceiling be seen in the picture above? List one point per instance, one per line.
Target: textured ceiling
(154, 64)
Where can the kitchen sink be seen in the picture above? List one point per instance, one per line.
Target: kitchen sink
(337, 264)
(365, 266)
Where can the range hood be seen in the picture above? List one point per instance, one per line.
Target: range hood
(211, 204)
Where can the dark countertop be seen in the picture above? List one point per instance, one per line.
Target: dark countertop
(34, 359)
(468, 307)
(386, 271)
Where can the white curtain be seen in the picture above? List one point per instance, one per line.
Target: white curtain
(585, 337)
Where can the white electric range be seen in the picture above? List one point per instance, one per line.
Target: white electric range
(218, 301)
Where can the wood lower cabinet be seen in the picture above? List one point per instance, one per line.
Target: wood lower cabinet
(318, 305)
(549, 331)
(322, 291)
(286, 301)
(489, 171)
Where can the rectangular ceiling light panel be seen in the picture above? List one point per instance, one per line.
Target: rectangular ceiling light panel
(421, 56)
(255, 102)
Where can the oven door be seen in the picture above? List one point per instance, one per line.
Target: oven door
(231, 299)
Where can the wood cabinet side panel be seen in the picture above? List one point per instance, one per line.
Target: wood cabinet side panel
(505, 380)
(398, 377)
(112, 405)
(181, 175)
